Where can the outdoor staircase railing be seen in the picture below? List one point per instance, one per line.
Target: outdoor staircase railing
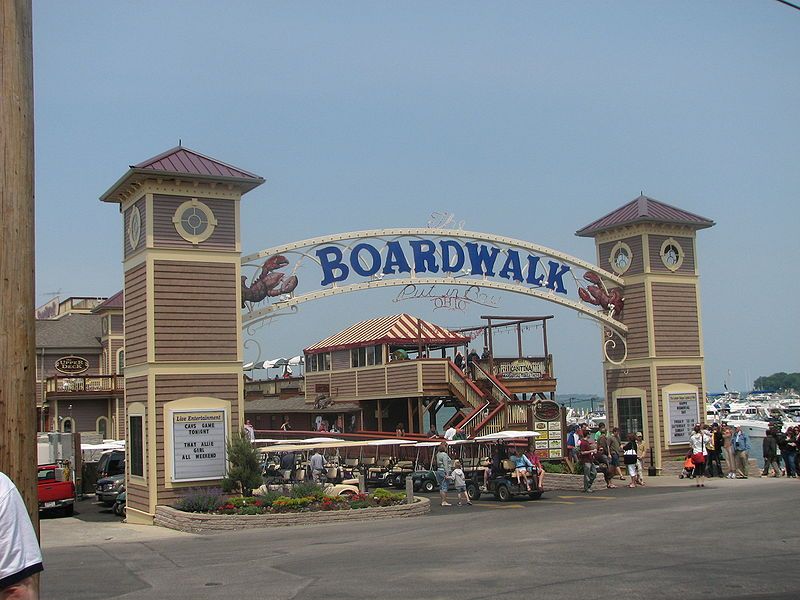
(464, 389)
(498, 391)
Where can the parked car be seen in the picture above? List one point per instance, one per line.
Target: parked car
(120, 503)
(108, 488)
(56, 491)
(112, 462)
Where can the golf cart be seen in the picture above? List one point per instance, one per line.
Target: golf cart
(502, 481)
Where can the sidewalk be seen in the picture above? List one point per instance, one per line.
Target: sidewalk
(567, 482)
(73, 532)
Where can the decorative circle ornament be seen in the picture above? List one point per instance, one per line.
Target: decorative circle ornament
(621, 257)
(672, 254)
(194, 221)
(134, 227)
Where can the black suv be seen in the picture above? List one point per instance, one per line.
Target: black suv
(111, 463)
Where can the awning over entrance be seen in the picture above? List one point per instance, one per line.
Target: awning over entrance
(395, 329)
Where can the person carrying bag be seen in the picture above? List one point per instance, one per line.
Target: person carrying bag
(630, 457)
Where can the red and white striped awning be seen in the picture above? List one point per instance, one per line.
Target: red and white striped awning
(395, 329)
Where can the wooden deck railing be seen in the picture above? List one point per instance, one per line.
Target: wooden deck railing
(85, 383)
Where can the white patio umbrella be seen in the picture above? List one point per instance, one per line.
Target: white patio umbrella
(507, 435)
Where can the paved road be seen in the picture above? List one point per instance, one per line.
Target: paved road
(730, 540)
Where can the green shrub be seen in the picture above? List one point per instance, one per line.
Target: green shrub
(560, 467)
(201, 501)
(384, 497)
(284, 504)
(244, 472)
(268, 498)
(551, 467)
(252, 510)
(308, 490)
(360, 504)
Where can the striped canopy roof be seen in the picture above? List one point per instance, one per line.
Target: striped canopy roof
(399, 329)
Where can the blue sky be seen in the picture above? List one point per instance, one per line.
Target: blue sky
(526, 119)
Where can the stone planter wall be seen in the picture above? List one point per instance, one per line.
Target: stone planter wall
(172, 518)
(563, 481)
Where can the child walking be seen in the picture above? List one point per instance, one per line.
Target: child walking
(460, 482)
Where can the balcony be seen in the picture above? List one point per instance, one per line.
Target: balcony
(91, 385)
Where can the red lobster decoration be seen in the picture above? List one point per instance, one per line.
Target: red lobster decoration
(269, 282)
(596, 294)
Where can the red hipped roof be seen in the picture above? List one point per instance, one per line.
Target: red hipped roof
(181, 163)
(644, 210)
(395, 329)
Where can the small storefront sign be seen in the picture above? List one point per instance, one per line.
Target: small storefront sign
(683, 415)
(520, 368)
(546, 410)
(72, 365)
(198, 445)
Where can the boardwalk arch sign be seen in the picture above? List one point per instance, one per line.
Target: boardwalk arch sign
(189, 294)
(288, 275)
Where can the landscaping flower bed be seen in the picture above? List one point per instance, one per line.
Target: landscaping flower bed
(201, 511)
(304, 498)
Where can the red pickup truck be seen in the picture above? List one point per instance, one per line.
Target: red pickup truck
(55, 492)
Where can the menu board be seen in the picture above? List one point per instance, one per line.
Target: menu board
(683, 415)
(198, 445)
(549, 444)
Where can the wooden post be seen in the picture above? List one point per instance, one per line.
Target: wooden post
(17, 333)
(544, 338)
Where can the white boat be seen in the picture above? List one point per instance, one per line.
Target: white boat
(754, 422)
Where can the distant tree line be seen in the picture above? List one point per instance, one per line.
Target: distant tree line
(778, 382)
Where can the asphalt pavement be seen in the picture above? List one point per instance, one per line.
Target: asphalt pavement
(732, 539)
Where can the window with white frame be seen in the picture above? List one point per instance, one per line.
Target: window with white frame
(318, 362)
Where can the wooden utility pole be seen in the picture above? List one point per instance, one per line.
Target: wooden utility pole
(17, 332)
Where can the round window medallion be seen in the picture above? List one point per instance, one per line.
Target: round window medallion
(621, 257)
(194, 221)
(134, 227)
(672, 254)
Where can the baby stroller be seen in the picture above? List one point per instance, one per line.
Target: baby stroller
(688, 468)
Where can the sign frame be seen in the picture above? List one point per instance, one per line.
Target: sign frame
(175, 467)
(692, 397)
(72, 372)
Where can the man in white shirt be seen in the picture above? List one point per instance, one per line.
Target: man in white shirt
(20, 556)
(317, 466)
(450, 433)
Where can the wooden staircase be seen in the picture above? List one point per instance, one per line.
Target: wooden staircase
(485, 401)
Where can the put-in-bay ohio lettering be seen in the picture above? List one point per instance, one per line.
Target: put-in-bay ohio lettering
(449, 299)
(450, 257)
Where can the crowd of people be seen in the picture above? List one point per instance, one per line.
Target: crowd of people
(603, 452)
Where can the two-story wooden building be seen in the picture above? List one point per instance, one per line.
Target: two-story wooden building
(80, 359)
(399, 371)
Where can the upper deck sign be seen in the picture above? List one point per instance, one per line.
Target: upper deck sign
(72, 365)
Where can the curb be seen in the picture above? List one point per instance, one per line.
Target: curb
(171, 518)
